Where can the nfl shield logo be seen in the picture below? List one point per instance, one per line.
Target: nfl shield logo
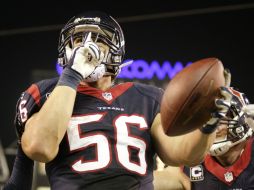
(107, 96)
(229, 176)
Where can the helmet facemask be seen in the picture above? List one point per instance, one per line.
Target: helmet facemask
(105, 32)
(237, 128)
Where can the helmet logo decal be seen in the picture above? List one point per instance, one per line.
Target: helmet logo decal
(96, 19)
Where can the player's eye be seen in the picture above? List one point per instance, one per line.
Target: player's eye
(77, 41)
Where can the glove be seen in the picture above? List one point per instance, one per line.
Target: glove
(84, 64)
(223, 105)
(85, 58)
(227, 76)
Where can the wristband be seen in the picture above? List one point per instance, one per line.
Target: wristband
(70, 78)
(208, 129)
(211, 125)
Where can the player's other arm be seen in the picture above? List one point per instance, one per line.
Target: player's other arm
(189, 149)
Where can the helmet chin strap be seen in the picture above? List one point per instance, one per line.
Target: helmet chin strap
(98, 73)
(220, 149)
(114, 70)
(100, 70)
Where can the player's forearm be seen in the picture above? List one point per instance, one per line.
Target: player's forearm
(188, 149)
(45, 130)
(195, 146)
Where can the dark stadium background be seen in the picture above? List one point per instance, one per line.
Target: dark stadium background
(154, 30)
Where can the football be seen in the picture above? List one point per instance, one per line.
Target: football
(189, 98)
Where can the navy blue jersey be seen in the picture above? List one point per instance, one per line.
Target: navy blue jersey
(108, 143)
(210, 175)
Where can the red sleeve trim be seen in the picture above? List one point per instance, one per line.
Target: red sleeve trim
(35, 93)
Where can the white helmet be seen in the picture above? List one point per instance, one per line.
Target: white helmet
(103, 28)
(238, 130)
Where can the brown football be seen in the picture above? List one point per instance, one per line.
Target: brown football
(189, 97)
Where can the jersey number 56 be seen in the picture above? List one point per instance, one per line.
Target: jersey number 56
(124, 140)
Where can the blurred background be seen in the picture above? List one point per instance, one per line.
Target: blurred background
(162, 37)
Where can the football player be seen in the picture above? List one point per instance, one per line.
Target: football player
(230, 162)
(91, 133)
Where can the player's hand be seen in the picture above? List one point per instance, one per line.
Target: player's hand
(223, 105)
(227, 76)
(84, 64)
(86, 59)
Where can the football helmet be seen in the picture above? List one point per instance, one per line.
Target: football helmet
(237, 128)
(104, 28)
